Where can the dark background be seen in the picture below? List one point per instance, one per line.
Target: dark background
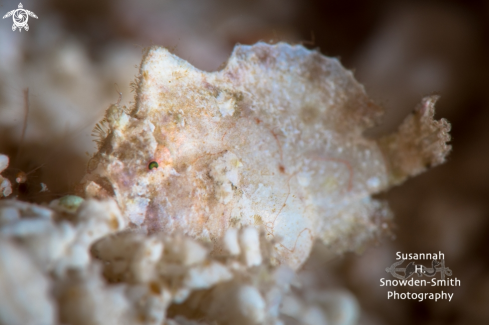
(76, 51)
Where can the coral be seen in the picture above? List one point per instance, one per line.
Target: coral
(25, 289)
(53, 242)
(41, 249)
(320, 307)
(273, 140)
(80, 268)
(5, 186)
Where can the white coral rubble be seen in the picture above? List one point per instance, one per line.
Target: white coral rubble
(76, 262)
(5, 186)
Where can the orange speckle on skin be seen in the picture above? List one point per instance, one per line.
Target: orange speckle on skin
(155, 288)
(281, 168)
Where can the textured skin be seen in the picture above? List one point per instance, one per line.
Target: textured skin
(272, 140)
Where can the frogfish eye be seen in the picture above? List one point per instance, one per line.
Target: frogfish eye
(153, 165)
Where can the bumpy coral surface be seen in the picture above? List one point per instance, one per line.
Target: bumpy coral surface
(273, 140)
(73, 263)
(5, 186)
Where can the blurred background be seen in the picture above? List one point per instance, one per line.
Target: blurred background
(78, 54)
